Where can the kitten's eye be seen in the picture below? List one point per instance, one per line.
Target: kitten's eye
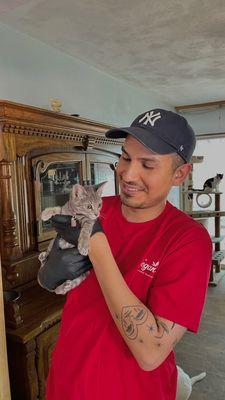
(99, 206)
(89, 206)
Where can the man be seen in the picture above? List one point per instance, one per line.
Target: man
(149, 279)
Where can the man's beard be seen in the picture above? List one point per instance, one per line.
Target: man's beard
(129, 201)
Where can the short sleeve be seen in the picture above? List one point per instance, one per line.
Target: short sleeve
(179, 289)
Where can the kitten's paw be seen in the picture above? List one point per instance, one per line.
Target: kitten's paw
(63, 288)
(77, 281)
(65, 245)
(83, 245)
(46, 214)
(68, 285)
(43, 256)
(83, 250)
(73, 221)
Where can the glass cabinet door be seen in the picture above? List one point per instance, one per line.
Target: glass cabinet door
(55, 174)
(101, 168)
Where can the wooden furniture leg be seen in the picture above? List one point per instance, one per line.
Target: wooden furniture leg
(23, 375)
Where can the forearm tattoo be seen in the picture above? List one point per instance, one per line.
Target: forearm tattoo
(131, 318)
(163, 328)
(134, 316)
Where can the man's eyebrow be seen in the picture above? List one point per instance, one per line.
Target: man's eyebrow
(124, 151)
(150, 158)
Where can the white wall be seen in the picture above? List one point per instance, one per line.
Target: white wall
(207, 121)
(32, 72)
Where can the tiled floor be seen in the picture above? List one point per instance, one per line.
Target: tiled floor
(206, 350)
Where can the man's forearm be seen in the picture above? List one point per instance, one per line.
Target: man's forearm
(150, 338)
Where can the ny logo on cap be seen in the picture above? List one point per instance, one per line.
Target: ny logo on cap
(150, 118)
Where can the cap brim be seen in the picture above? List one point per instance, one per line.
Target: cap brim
(117, 133)
(149, 138)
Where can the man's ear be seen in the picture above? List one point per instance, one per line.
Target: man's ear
(181, 174)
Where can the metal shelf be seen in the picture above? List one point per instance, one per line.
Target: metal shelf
(217, 239)
(197, 159)
(218, 256)
(206, 214)
(200, 191)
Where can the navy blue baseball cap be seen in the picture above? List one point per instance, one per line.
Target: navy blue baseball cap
(161, 131)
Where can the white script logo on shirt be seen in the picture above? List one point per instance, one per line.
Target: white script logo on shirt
(148, 269)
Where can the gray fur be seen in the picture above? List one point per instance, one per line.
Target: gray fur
(84, 205)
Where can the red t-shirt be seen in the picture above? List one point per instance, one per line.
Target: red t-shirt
(166, 263)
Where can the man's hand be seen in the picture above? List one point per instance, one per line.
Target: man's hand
(62, 265)
(62, 225)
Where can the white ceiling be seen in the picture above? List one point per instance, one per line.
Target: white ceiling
(173, 47)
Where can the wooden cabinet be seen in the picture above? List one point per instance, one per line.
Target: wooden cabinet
(30, 344)
(4, 376)
(55, 174)
(45, 344)
(42, 154)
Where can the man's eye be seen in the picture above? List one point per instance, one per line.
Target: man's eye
(125, 158)
(148, 166)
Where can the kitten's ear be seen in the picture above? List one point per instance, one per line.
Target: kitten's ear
(77, 191)
(99, 188)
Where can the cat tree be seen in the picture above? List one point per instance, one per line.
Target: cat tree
(189, 197)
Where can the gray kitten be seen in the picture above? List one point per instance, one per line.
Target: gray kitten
(84, 205)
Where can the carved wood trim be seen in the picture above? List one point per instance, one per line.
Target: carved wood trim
(18, 122)
(22, 368)
(49, 137)
(7, 146)
(9, 239)
(4, 376)
(45, 345)
(22, 203)
(50, 133)
(21, 113)
(17, 119)
(30, 367)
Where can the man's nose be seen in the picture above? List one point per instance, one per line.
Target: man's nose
(130, 172)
